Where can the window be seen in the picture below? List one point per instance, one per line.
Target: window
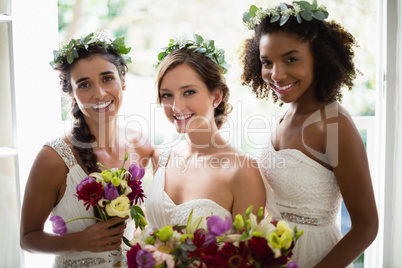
(9, 192)
(28, 34)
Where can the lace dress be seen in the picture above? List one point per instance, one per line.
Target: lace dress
(307, 195)
(70, 207)
(162, 211)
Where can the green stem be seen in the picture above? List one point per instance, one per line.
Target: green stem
(125, 240)
(84, 218)
(104, 218)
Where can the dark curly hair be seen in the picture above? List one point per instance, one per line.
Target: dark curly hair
(331, 47)
(209, 72)
(81, 135)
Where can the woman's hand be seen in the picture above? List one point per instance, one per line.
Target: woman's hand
(101, 236)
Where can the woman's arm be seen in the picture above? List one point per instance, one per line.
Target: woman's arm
(44, 188)
(248, 187)
(351, 170)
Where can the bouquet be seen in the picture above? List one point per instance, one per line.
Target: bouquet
(112, 192)
(248, 241)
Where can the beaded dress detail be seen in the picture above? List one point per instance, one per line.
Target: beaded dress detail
(70, 207)
(161, 210)
(306, 195)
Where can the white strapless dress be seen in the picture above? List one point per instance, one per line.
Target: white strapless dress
(70, 207)
(307, 195)
(162, 211)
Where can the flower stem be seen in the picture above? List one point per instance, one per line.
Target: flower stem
(84, 218)
(104, 218)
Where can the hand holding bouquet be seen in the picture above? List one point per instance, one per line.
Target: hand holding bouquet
(113, 193)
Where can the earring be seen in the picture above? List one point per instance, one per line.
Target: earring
(215, 104)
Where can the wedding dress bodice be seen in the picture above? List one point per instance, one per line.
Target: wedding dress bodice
(162, 211)
(307, 195)
(70, 207)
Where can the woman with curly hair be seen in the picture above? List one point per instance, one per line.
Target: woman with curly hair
(202, 171)
(92, 73)
(303, 61)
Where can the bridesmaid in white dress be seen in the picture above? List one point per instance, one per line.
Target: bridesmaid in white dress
(202, 172)
(320, 157)
(95, 81)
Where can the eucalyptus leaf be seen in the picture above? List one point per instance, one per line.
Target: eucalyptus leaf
(283, 20)
(253, 10)
(283, 7)
(274, 18)
(198, 39)
(303, 4)
(299, 20)
(318, 15)
(247, 17)
(307, 15)
(70, 58)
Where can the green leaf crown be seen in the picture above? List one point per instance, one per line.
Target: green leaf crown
(69, 52)
(302, 10)
(200, 45)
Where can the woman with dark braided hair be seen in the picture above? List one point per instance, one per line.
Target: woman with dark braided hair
(303, 61)
(202, 172)
(92, 72)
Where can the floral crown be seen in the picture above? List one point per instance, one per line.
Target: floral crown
(200, 45)
(99, 39)
(301, 10)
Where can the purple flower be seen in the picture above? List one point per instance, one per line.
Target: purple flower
(217, 226)
(84, 182)
(144, 259)
(110, 191)
(137, 195)
(136, 172)
(59, 226)
(292, 264)
(206, 240)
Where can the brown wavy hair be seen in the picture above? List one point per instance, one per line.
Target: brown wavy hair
(331, 47)
(209, 72)
(81, 135)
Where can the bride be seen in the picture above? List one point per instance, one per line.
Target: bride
(202, 172)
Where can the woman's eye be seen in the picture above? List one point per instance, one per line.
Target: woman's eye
(189, 92)
(266, 63)
(166, 95)
(290, 60)
(83, 85)
(107, 78)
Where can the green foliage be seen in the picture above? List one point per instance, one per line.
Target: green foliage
(301, 10)
(200, 45)
(69, 52)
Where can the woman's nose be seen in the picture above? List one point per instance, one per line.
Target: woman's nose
(278, 73)
(177, 106)
(100, 92)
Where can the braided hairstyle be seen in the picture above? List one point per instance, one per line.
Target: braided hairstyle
(82, 137)
(331, 47)
(209, 72)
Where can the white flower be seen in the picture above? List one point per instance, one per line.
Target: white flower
(120, 207)
(297, 8)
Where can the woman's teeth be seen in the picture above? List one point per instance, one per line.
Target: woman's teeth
(182, 117)
(101, 106)
(284, 87)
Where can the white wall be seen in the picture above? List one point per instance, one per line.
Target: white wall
(392, 250)
(35, 35)
(396, 232)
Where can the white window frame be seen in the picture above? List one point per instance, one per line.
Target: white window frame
(34, 34)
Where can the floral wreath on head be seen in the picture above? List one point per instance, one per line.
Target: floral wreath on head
(200, 45)
(100, 39)
(302, 10)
